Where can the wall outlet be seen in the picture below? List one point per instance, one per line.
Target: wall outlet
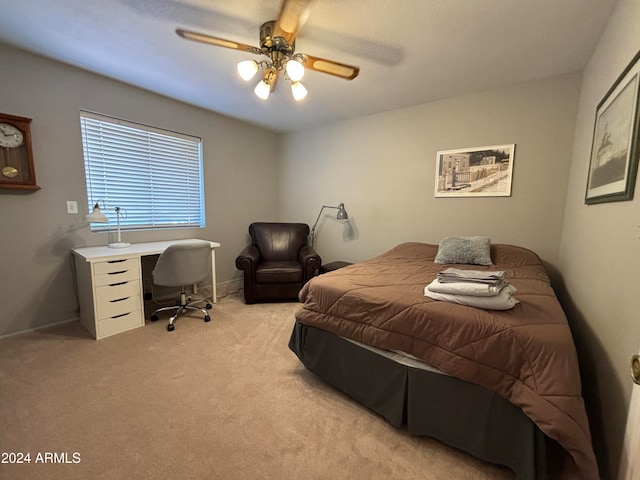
(72, 206)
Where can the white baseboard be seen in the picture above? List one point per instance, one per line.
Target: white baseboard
(225, 288)
(34, 329)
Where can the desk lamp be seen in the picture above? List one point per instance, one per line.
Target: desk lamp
(96, 216)
(119, 243)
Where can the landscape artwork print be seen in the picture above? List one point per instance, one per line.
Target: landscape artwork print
(475, 172)
(614, 153)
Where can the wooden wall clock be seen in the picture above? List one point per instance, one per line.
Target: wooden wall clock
(16, 156)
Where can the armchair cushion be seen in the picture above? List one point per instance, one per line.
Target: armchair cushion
(278, 262)
(279, 272)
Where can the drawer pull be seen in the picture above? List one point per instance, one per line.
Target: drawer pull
(117, 273)
(119, 299)
(117, 261)
(121, 315)
(116, 284)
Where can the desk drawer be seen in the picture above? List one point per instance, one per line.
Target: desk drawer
(122, 323)
(107, 294)
(119, 306)
(118, 276)
(101, 268)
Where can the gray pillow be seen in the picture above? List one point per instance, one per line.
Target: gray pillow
(469, 250)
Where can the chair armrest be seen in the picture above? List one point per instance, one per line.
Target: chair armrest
(310, 261)
(248, 258)
(248, 261)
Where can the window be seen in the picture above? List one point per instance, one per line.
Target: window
(153, 175)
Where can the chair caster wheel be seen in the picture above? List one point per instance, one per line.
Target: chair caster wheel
(171, 327)
(207, 318)
(154, 318)
(208, 306)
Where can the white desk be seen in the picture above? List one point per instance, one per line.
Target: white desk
(110, 289)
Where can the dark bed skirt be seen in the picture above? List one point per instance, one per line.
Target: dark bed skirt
(460, 414)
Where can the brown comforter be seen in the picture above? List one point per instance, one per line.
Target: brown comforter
(525, 354)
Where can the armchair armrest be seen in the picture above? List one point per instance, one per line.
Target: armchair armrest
(248, 258)
(310, 261)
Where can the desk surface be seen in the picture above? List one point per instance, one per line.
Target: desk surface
(102, 253)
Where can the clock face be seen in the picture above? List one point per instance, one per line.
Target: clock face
(10, 136)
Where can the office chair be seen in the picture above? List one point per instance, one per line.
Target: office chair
(181, 264)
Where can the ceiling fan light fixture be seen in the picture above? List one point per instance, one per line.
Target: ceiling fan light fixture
(295, 70)
(278, 44)
(247, 69)
(262, 90)
(298, 91)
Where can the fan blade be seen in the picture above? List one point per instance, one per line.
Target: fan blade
(219, 42)
(293, 15)
(323, 65)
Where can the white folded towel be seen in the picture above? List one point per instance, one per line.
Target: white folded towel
(503, 301)
(467, 288)
(471, 276)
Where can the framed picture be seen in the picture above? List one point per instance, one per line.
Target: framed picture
(475, 172)
(614, 151)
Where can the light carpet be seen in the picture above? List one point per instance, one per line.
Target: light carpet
(220, 400)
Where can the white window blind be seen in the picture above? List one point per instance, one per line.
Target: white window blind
(153, 175)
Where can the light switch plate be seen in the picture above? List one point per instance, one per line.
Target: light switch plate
(72, 206)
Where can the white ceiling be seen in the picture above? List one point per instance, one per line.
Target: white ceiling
(409, 51)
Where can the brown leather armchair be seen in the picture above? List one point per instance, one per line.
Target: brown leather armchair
(278, 262)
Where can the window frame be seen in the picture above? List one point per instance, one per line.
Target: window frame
(159, 186)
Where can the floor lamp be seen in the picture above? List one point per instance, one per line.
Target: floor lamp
(341, 215)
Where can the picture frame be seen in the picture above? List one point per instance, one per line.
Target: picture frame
(613, 163)
(475, 172)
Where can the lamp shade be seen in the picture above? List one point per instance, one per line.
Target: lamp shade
(342, 213)
(96, 216)
(295, 70)
(247, 69)
(262, 90)
(298, 91)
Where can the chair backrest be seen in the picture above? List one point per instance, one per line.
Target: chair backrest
(279, 241)
(183, 263)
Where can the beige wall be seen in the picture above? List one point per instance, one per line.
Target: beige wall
(36, 233)
(600, 255)
(383, 168)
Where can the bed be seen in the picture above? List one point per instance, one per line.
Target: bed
(503, 385)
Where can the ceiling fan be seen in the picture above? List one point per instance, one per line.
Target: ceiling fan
(278, 43)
